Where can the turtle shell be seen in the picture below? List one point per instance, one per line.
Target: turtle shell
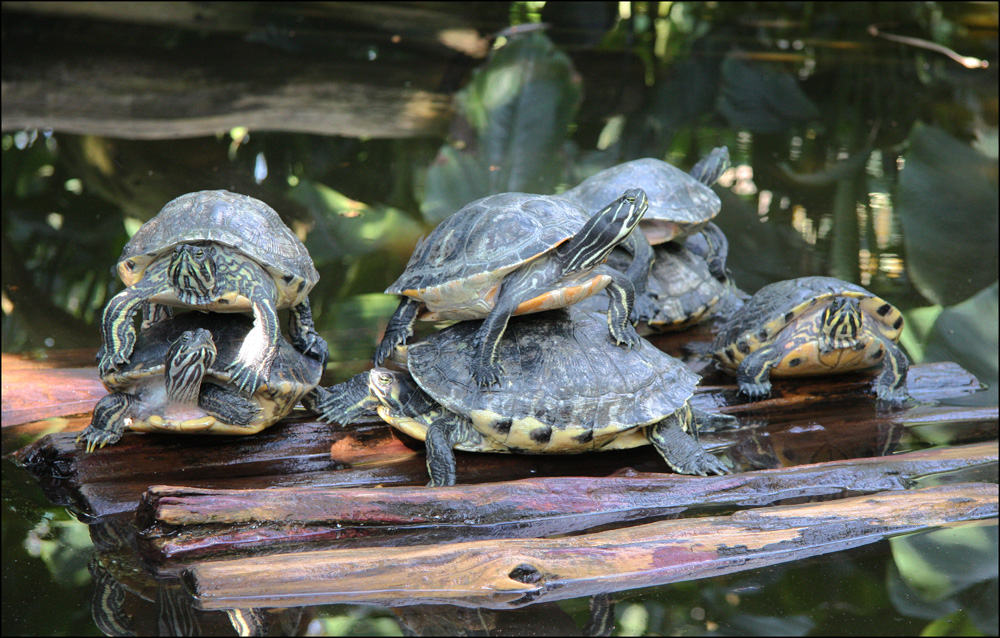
(241, 222)
(292, 375)
(461, 262)
(566, 387)
(776, 307)
(678, 203)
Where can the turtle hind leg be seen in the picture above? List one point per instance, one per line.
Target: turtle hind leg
(399, 329)
(343, 403)
(108, 423)
(228, 406)
(890, 386)
(303, 333)
(679, 449)
(754, 372)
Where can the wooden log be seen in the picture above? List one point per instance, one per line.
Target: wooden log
(36, 394)
(293, 453)
(182, 524)
(518, 572)
(147, 82)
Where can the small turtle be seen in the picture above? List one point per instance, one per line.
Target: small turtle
(679, 203)
(217, 251)
(813, 326)
(567, 390)
(687, 284)
(511, 254)
(179, 380)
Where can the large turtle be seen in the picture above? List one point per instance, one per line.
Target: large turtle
(813, 326)
(178, 380)
(679, 203)
(511, 254)
(567, 390)
(218, 251)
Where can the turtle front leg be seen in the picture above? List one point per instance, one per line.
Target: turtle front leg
(517, 287)
(443, 434)
(399, 329)
(154, 313)
(303, 333)
(679, 449)
(228, 406)
(754, 373)
(622, 295)
(118, 329)
(343, 403)
(252, 366)
(890, 386)
(108, 422)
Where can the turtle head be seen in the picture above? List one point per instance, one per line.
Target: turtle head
(399, 392)
(841, 323)
(188, 359)
(193, 272)
(605, 230)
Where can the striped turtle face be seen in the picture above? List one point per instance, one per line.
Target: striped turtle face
(188, 359)
(193, 272)
(841, 324)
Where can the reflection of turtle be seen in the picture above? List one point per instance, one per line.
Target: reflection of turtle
(178, 380)
(511, 254)
(567, 390)
(679, 203)
(218, 251)
(688, 282)
(811, 326)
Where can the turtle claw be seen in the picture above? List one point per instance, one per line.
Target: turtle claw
(755, 391)
(487, 374)
(108, 364)
(627, 337)
(246, 379)
(94, 438)
(386, 347)
(709, 464)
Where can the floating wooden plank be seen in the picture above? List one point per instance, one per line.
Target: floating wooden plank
(518, 572)
(183, 523)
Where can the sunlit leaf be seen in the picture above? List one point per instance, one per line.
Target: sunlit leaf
(948, 208)
(348, 228)
(519, 105)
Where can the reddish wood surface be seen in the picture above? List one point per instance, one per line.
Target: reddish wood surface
(183, 524)
(518, 572)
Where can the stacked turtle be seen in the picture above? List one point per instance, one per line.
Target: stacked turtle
(215, 371)
(552, 382)
(678, 264)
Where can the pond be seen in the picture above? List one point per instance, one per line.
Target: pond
(863, 140)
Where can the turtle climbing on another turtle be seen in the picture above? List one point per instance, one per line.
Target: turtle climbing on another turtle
(566, 390)
(222, 252)
(512, 254)
(178, 380)
(813, 326)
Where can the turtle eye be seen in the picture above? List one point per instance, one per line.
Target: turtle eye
(200, 254)
(186, 337)
(384, 379)
(130, 264)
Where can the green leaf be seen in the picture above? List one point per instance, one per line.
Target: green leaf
(948, 209)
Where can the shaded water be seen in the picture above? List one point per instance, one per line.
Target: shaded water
(866, 158)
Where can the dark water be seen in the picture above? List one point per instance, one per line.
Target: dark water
(866, 158)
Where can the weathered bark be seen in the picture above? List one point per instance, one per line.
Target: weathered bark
(523, 571)
(190, 524)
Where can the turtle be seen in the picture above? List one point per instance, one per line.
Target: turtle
(179, 380)
(222, 252)
(679, 203)
(813, 326)
(567, 390)
(510, 254)
(687, 284)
